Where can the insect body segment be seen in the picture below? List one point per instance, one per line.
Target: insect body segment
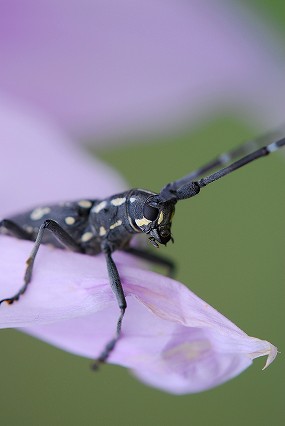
(104, 226)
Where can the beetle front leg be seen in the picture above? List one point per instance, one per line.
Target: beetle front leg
(117, 288)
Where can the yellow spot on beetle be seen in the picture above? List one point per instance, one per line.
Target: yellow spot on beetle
(102, 231)
(100, 206)
(132, 225)
(86, 237)
(39, 212)
(118, 201)
(160, 219)
(28, 228)
(69, 220)
(118, 223)
(142, 222)
(86, 204)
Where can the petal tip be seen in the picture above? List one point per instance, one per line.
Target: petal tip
(271, 355)
(263, 348)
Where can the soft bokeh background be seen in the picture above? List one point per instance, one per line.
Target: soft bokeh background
(229, 247)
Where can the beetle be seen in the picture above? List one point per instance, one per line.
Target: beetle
(93, 226)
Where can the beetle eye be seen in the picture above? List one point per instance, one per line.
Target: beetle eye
(149, 212)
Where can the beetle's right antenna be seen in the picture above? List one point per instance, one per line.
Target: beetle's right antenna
(185, 187)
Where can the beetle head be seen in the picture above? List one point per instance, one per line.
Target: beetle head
(152, 216)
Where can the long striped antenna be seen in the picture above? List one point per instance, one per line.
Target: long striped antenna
(186, 187)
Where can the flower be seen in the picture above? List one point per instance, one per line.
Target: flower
(103, 69)
(171, 339)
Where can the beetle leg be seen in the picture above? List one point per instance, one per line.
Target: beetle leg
(58, 232)
(117, 288)
(15, 230)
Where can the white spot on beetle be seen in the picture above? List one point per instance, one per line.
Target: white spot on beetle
(39, 212)
(118, 201)
(102, 231)
(86, 204)
(69, 220)
(142, 222)
(114, 225)
(86, 237)
(132, 199)
(99, 206)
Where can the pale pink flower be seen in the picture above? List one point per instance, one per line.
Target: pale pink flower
(171, 339)
(107, 68)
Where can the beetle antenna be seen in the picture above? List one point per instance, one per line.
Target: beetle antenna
(186, 188)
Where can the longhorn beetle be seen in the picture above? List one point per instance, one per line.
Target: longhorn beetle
(105, 225)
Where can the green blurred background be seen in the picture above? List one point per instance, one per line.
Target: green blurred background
(231, 255)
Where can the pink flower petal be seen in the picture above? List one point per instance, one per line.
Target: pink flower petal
(171, 339)
(101, 68)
